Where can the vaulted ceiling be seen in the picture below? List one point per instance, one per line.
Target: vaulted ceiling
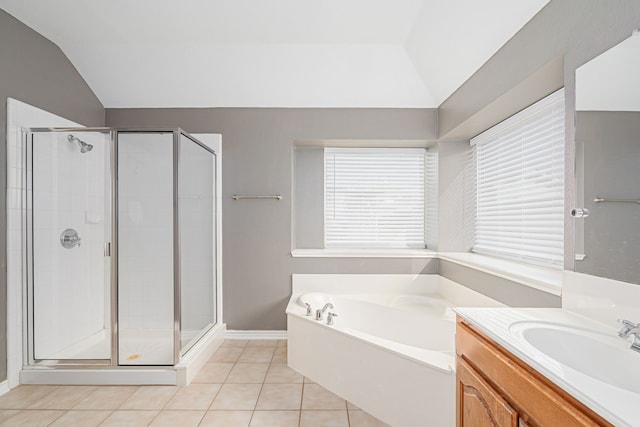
(275, 53)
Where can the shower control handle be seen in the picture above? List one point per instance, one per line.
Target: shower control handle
(70, 238)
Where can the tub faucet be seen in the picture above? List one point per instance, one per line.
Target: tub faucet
(630, 329)
(308, 309)
(330, 317)
(320, 313)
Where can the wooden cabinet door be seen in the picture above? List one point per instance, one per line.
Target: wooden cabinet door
(479, 405)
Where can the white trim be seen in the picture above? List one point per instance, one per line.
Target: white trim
(363, 253)
(255, 335)
(544, 279)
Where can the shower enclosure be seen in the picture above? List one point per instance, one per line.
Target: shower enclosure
(121, 246)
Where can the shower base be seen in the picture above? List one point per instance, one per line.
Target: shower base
(142, 373)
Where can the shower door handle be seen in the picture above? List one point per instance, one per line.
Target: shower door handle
(107, 248)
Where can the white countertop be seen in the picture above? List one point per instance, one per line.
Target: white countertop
(618, 406)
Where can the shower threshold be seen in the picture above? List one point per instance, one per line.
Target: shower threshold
(181, 374)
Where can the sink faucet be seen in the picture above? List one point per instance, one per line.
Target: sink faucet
(630, 329)
(320, 313)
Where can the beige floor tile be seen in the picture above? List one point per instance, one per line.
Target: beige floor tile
(226, 354)
(256, 355)
(226, 419)
(281, 373)
(213, 373)
(177, 418)
(363, 419)
(81, 419)
(194, 397)
(25, 395)
(63, 397)
(280, 355)
(5, 414)
(280, 397)
(248, 373)
(237, 397)
(324, 419)
(276, 419)
(29, 418)
(282, 343)
(150, 398)
(317, 397)
(262, 343)
(234, 343)
(106, 397)
(352, 407)
(129, 419)
(308, 381)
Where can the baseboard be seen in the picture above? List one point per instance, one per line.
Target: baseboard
(4, 387)
(255, 335)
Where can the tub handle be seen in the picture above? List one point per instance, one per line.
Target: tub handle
(330, 317)
(309, 310)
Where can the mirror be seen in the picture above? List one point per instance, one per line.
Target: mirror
(608, 163)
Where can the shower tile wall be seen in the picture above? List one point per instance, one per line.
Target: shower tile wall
(70, 304)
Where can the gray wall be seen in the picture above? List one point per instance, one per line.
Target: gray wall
(308, 209)
(505, 291)
(540, 58)
(35, 71)
(611, 144)
(257, 159)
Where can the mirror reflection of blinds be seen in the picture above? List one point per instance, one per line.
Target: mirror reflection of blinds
(374, 198)
(520, 185)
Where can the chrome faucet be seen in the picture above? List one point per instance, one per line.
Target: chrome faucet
(320, 313)
(630, 329)
(330, 317)
(308, 309)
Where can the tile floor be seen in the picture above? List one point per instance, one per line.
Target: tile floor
(245, 383)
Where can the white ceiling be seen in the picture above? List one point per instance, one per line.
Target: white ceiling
(275, 53)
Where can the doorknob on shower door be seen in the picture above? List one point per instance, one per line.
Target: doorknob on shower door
(70, 238)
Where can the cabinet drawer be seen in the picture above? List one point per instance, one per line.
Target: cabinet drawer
(538, 401)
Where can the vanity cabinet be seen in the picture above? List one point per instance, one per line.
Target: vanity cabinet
(495, 388)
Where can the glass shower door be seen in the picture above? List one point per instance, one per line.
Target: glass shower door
(146, 292)
(70, 213)
(197, 223)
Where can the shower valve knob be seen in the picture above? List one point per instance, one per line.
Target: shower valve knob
(70, 238)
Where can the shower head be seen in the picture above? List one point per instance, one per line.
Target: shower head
(84, 147)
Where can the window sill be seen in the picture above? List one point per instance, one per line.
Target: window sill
(541, 278)
(363, 253)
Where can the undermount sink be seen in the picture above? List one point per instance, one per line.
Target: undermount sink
(597, 355)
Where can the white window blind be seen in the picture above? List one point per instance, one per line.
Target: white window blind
(374, 197)
(520, 185)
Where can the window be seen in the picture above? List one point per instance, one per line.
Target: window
(520, 185)
(374, 198)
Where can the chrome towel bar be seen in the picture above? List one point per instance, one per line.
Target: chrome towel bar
(603, 200)
(275, 196)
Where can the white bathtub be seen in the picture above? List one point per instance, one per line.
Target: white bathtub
(391, 348)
